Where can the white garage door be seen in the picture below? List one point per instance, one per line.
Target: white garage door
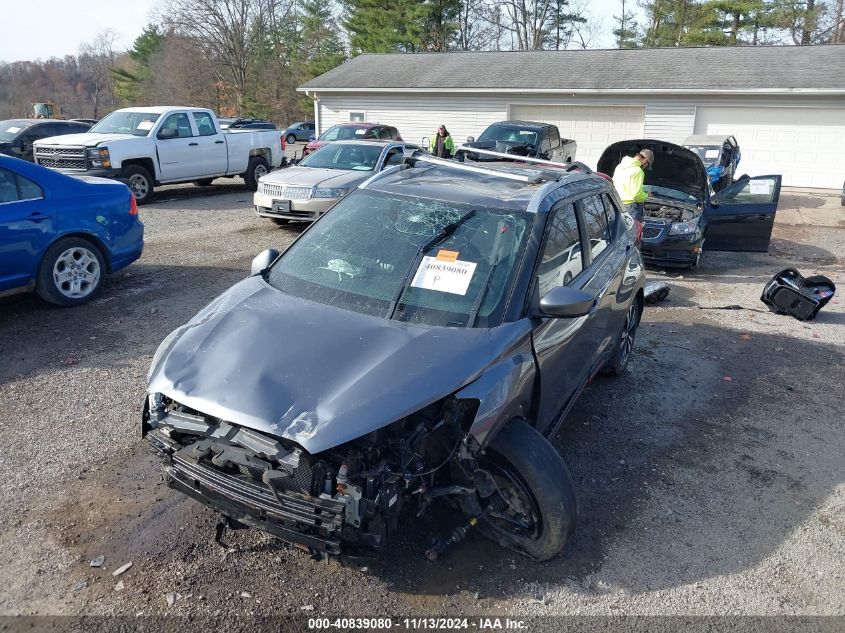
(804, 144)
(593, 127)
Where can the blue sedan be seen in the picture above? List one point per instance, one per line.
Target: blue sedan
(60, 235)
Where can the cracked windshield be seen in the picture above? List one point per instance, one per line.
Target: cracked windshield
(401, 257)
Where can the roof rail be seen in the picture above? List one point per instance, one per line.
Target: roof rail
(526, 159)
(419, 156)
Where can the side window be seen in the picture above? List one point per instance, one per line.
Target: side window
(561, 259)
(597, 226)
(331, 133)
(394, 133)
(544, 147)
(28, 189)
(179, 122)
(8, 188)
(376, 132)
(554, 138)
(757, 190)
(610, 210)
(205, 126)
(394, 157)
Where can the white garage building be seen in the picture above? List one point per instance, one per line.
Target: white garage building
(785, 105)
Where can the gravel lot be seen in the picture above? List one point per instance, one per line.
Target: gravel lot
(710, 476)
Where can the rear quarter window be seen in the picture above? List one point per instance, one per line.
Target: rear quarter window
(597, 225)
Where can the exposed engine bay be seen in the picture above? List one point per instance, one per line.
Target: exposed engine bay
(665, 212)
(347, 496)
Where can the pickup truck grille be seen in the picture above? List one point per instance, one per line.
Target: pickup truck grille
(285, 192)
(61, 157)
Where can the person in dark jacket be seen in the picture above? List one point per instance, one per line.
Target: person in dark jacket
(442, 144)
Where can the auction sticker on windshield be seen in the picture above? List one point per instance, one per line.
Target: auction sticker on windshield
(444, 276)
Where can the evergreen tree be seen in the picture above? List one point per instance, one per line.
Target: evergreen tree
(128, 80)
(321, 44)
(384, 26)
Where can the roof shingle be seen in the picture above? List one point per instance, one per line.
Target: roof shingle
(739, 68)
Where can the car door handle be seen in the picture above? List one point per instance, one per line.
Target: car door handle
(193, 144)
(37, 216)
(219, 142)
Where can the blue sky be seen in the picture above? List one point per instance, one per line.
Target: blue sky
(35, 29)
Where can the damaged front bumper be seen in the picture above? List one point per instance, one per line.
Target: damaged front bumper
(297, 518)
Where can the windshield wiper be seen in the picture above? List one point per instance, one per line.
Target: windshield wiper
(445, 232)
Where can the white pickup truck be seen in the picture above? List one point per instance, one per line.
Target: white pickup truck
(145, 147)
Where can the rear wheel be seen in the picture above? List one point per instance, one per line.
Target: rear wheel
(71, 272)
(291, 139)
(257, 167)
(140, 183)
(526, 493)
(625, 343)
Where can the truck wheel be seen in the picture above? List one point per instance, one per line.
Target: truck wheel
(71, 272)
(532, 507)
(625, 343)
(257, 167)
(205, 182)
(140, 183)
(291, 139)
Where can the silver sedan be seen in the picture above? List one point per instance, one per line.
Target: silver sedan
(308, 190)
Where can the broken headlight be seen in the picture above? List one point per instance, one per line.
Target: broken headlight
(684, 228)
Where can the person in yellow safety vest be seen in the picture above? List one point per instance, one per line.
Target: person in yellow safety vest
(628, 178)
(442, 144)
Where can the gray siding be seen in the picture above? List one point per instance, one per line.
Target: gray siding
(669, 122)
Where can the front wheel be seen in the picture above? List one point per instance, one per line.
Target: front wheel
(291, 139)
(526, 494)
(625, 343)
(71, 272)
(140, 183)
(257, 167)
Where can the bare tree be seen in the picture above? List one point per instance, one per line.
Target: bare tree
(479, 25)
(528, 22)
(96, 59)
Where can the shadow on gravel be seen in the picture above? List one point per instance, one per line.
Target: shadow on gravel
(788, 249)
(149, 300)
(682, 475)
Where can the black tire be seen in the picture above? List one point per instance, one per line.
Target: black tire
(528, 458)
(625, 342)
(280, 221)
(60, 283)
(205, 182)
(140, 183)
(256, 168)
(290, 139)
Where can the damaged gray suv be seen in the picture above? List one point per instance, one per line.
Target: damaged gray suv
(417, 345)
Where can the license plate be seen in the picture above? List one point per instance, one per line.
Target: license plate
(281, 206)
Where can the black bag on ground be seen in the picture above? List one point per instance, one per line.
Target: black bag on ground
(789, 292)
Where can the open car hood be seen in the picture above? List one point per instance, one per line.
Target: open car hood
(675, 167)
(314, 374)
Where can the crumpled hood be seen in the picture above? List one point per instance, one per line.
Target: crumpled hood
(310, 176)
(314, 374)
(86, 139)
(675, 167)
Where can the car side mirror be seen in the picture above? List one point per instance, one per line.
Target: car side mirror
(470, 139)
(263, 260)
(167, 133)
(566, 302)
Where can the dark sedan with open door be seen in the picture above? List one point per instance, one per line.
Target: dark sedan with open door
(681, 215)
